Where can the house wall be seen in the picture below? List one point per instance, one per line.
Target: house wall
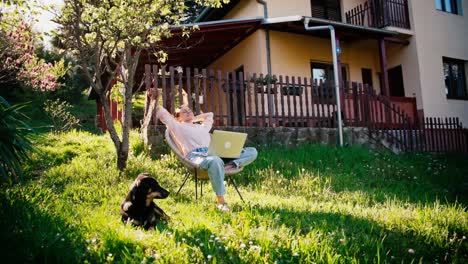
(250, 53)
(245, 9)
(278, 8)
(434, 34)
(438, 34)
(291, 54)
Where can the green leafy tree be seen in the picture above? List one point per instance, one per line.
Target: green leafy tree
(107, 38)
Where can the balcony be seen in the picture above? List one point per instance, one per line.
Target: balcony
(380, 14)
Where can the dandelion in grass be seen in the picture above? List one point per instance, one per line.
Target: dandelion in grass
(202, 245)
(255, 247)
(277, 172)
(411, 251)
(295, 254)
(209, 257)
(242, 245)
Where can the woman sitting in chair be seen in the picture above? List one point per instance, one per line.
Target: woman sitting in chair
(191, 134)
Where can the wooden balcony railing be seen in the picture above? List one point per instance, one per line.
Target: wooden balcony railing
(380, 14)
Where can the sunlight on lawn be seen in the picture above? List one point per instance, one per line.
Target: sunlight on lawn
(311, 204)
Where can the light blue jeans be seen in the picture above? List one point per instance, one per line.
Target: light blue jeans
(215, 165)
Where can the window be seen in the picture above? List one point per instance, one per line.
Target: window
(326, 9)
(366, 76)
(395, 81)
(449, 6)
(455, 81)
(324, 72)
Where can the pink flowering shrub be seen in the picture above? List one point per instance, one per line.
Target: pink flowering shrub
(18, 60)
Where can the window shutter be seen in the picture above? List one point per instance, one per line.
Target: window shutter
(318, 8)
(326, 9)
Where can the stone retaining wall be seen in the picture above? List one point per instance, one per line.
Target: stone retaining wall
(286, 136)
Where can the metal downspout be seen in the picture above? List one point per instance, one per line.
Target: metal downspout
(271, 108)
(267, 36)
(335, 72)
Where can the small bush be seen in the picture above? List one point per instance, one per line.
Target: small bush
(60, 116)
(14, 138)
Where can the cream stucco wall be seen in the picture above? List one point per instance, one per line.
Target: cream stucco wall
(438, 34)
(291, 54)
(278, 8)
(250, 53)
(245, 9)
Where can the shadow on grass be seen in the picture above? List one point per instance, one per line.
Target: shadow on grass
(29, 235)
(415, 178)
(353, 236)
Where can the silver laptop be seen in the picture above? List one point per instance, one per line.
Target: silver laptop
(226, 144)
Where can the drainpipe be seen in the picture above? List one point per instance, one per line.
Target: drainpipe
(267, 36)
(335, 72)
(271, 107)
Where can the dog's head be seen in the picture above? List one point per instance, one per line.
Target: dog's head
(147, 188)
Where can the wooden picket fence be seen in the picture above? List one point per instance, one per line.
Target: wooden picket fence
(238, 100)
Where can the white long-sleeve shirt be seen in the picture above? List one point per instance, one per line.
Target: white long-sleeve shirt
(188, 136)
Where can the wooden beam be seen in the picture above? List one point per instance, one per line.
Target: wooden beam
(385, 90)
(397, 41)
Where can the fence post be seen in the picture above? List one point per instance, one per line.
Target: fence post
(171, 90)
(242, 98)
(196, 78)
(220, 99)
(249, 98)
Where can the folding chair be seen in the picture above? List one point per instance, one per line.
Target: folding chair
(198, 173)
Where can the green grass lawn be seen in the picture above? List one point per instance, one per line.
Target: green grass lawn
(310, 204)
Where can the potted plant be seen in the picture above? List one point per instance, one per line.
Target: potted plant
(261, 83)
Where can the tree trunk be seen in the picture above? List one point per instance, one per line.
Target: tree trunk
(122, 160)
(149, 113)
(113, 133)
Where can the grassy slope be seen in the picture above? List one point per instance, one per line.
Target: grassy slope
(313, 203)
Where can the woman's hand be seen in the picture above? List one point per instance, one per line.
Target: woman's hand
(202, 117)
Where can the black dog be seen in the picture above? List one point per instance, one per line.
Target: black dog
(138, 207)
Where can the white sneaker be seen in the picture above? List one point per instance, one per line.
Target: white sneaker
(223, 208)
